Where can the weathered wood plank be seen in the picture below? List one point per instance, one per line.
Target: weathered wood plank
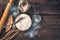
(46, 8)
(51, 22)
(44, 34)
(50, 25)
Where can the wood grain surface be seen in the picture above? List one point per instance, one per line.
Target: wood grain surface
(50, 12)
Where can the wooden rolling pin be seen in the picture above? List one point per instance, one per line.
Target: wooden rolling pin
(5, 14)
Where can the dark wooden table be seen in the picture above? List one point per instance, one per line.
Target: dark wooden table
(50, 12)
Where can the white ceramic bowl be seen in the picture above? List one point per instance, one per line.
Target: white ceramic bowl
(25, 23)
